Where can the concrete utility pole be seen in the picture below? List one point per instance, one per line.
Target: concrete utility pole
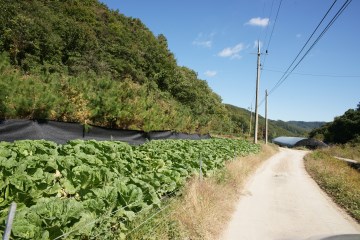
(250, 119)
(266, 117)
(257, 95)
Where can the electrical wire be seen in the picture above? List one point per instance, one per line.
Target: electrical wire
(271, 34)
(316, 75)
(262, 14)
(302, 49)
(272, 31)
(287, 73)
(338, 13)
(270, 15)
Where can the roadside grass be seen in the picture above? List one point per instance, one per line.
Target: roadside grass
(337, 179)
(204, 207)
(349, 150)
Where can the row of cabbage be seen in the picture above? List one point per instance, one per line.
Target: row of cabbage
(73, 190)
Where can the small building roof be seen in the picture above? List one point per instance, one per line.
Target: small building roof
(287, 141)
(299, 142)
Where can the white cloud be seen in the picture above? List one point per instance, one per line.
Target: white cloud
(232, 52)
(298, 35)
(210, 73)
(259, 22)
(206, 44)
(204, 40)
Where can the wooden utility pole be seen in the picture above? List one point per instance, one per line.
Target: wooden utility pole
(257, 95)
(266, 117)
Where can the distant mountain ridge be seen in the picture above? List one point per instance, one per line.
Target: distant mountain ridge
(307, 125)
(242, 116)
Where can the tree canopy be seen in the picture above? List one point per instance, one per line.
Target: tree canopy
(344, 129)
(79, 61)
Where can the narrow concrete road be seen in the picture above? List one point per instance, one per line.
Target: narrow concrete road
(282, 202)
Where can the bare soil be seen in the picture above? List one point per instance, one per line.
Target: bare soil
(282, 202)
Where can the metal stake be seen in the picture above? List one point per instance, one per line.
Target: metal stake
(9, 221)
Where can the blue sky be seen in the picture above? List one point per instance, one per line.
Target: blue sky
(217, 40)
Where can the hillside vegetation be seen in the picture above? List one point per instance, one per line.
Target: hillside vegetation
(79, 61)
(341, 180)
(337, 178)
(344, 129)
(241, 124)
(307, 125)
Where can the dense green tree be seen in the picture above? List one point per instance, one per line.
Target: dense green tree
(343, 129)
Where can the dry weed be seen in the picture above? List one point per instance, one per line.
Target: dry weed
(206, 206)
(337, 178)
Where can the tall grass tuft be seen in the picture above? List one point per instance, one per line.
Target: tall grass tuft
(206, 206)
(337, 178)
(349, 150)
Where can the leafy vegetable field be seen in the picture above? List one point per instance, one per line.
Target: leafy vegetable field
(84, 187)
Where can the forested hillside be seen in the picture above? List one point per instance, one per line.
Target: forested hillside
(241, 124)
(344, 129)
(78, 61)
(306, 125)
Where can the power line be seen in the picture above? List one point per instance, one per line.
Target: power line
(287, 72)
(270, 15)
(338, 13)
(262, 14)
(308, 40)
(315, 75)
(272, 31)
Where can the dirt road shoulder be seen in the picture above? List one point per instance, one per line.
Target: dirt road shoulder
(281, 201)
